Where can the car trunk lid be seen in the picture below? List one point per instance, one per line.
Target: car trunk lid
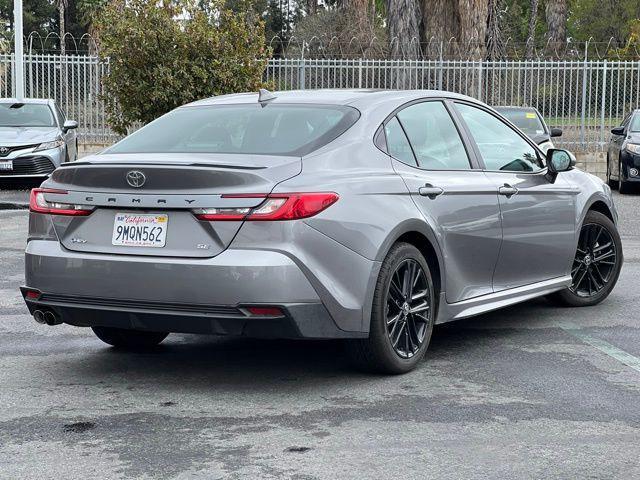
(162, 184)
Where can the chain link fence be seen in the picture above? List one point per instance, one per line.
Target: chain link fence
(584, 98)
(74, 81)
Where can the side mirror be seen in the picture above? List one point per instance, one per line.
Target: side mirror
(556, 132)
(558, 160)
(69, 125)
(618, 131)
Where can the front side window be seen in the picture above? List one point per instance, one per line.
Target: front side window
(501, 147)
(635, 123)
(434, 137)
(26, 115)
(276, 129)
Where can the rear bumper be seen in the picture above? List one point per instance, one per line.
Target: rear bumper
(178, 294)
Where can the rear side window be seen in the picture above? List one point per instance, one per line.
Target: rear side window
(397, 143)
(275, 129)
(434, 137)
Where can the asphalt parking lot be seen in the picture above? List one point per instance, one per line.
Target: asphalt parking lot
(533, 391)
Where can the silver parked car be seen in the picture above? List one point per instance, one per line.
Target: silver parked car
(351, 214)
(35, 138)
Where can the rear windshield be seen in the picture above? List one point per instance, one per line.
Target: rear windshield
(26, 115)
(526, 120)
(276, 129)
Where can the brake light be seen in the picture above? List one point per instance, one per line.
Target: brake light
(277, 206)
(38, 204)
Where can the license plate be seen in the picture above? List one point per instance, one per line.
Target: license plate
(6, 165)
(140, 230)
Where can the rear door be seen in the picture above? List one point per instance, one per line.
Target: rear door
(456, 199)
(170, 188)
(538, 215)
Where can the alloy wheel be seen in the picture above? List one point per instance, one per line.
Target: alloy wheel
(595, 260)
(408, 308)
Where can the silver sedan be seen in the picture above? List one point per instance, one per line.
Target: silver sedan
(353, 214)
(35, 138)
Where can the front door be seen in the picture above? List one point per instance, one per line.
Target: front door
(458, 201)
(538, 215)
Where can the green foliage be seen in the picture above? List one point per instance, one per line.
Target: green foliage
(37, 15)
(632, 47)
(603, 20)
(516, 21)
(163, 57)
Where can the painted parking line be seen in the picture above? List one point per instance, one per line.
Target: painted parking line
(603, 346)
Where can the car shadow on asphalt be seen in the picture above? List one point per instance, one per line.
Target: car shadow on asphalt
(195, 360)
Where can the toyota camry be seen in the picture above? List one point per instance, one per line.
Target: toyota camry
(361, 215)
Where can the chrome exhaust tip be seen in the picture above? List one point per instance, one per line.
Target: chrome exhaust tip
(51, 319)
(38, 316)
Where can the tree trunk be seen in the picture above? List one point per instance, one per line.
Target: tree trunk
(531, 31)
(312, 7)
(61, 9)
(404, 29)
(495, 45)
(459, 25)
(557, 24)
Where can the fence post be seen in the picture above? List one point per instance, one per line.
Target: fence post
(603, 100)
(301, 70)
(480, 80)
(440, 67)
(360, 73)
(584, 102)
(301, 74)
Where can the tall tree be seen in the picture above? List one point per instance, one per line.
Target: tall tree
(556, 13)
(531, 30)
(495, 44)
(62, 5)
(404, 28)
(465, 21)
(312, 7)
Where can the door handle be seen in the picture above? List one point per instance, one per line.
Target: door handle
(507, 190)
(430, 191)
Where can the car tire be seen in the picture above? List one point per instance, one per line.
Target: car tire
(572, 296)
(612, 183)
(129, 339)
(377, 353)
(623, 186)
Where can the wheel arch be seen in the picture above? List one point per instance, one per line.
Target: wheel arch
(424, 239)
(602, 207)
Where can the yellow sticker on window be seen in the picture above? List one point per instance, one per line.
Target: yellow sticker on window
(530, 115)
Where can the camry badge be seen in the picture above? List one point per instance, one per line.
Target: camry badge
(136, 179)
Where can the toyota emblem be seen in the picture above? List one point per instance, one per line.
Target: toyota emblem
(4, 151)
(136, 179)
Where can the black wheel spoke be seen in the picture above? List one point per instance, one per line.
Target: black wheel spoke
(396, 293)
(409, 301)
(594, 261)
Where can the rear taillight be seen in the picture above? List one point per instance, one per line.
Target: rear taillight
(38, 204)
(277, 206)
